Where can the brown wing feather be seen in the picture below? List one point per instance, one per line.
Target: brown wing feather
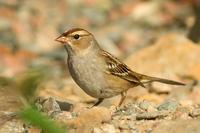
(117, 68)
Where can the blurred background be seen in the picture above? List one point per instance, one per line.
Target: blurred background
(154, 37)
(28, 28)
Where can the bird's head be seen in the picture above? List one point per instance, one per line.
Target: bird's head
(77, 39)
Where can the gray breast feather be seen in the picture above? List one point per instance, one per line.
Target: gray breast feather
(86, 74)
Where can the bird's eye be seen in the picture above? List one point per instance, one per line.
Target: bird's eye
(76, 36)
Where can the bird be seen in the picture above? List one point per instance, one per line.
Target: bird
(97, 72)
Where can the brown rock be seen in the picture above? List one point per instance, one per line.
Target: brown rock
(88, 119)
(64, 115)
(34, 130)
(105, 128)
(178, 126)
(172, 55)
(195, 113)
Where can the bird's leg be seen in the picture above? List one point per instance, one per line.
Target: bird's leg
(123, 96)
(100, 100)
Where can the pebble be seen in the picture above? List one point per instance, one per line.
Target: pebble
(195, 113)
(151, 115)
(147, 106)
(168, 105)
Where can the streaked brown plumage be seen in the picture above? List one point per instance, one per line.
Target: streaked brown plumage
(96, 71)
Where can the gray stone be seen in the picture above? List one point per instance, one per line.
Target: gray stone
(168, 105)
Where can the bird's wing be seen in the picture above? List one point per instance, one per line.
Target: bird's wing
(117, 68)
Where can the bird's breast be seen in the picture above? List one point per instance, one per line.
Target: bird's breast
(87, 73)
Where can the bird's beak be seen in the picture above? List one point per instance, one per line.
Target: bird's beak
(61, 39)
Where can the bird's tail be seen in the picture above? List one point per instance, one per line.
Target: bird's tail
(149, 79)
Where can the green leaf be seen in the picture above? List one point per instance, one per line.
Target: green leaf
(37, 119)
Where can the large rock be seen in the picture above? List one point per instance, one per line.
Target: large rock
(173, 55)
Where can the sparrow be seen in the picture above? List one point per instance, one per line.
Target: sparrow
(97, 72)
